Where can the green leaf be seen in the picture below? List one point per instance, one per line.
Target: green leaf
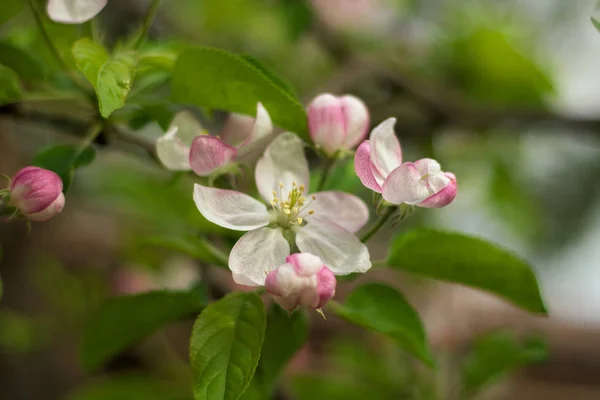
(10, 88)
(24, 64)
(129, 387)
(595, 23)
(285, 335)
(319, 387)
(470, 261)
(64, 159)
(498, 353)
(298, 16)
(191, 245)
(213, 78)
(385, 310)
(121, 321)
(270, 74)
(9, 9)
(111, 76)
(225, 346)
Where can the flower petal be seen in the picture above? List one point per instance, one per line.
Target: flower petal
(256, 254)
(386, 153)
(443, 197)
(53, 209)
(188, 127)
(172, 152)
(231, 209)
(346, 210)
(283, 162)
(357, 120)
(404, 185)
(430, 168)
(339, 249)
(209, 153)
(363, 167)
(74, 11)
(327, 122)
(263, 126)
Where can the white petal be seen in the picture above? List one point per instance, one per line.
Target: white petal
(386, 153)
(256, 254)
(74, 11)
(433, 172)
(263, 126)
(188, 127)
(172, 152)
(404, 185)
(339, 249)
(346, 210)
(283, 162)
(357, 120)
(230, 209)
(364, 169)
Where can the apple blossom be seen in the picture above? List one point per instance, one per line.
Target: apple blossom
(186, 146)
(302, 280)
(321, 224)
(378, 164)
(74, 11)
(37, 193)
(337, 123)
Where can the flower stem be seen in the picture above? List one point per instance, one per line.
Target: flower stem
(39, 20)
(93, 132)
(147, 23)
(328, 164)
(379, 223)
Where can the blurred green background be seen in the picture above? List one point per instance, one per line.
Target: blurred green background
(502, 92)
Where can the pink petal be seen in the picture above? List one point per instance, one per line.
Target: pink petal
(326, 284)
(262, 127)
(386, 153)
(305, 264)
(49, 212)
(327, 122)
(363, 167)
(256, 254)
(339, 249)
(283, 162)
(344, 209)
(357, 120)
(444, 197)
(33, 189)
(230, 209)
(404, 185)
(209, 153)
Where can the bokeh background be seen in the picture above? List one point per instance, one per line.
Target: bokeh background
(504, 93)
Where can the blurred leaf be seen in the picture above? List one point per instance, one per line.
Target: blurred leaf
(225, 346)
(24, 64)
(9, 9)
(111, 76)
(63, 160)
(193, 246)
(122, 320)
(298, 16)
(270, 74)
(19, 333)
(130, 388)
(470, 261)
(10, 88)
(595, 23)
(161, 113)
(385, 310)
(498, 353)
(213, 78)
(321, 387)
(285, 335)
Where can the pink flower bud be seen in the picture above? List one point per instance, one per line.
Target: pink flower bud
(337, 123)
(37, 193)
(303, 279)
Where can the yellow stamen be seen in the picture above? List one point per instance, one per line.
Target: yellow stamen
(300, 220)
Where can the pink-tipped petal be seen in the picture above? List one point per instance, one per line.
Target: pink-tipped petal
(283, 163)
(443, 197)
(326, 284)
(386, 153)
(327, 122)
(256, 254)
(209, 153)
(172, 152)
(34, 189)
(74, 11)
(344, 209)
(230, 209)
(52, 210)
(364, 168)
(357, 120)
(305, 264)
(339, 249)
(404, 185)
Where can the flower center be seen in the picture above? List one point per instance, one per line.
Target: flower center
(291, 211)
